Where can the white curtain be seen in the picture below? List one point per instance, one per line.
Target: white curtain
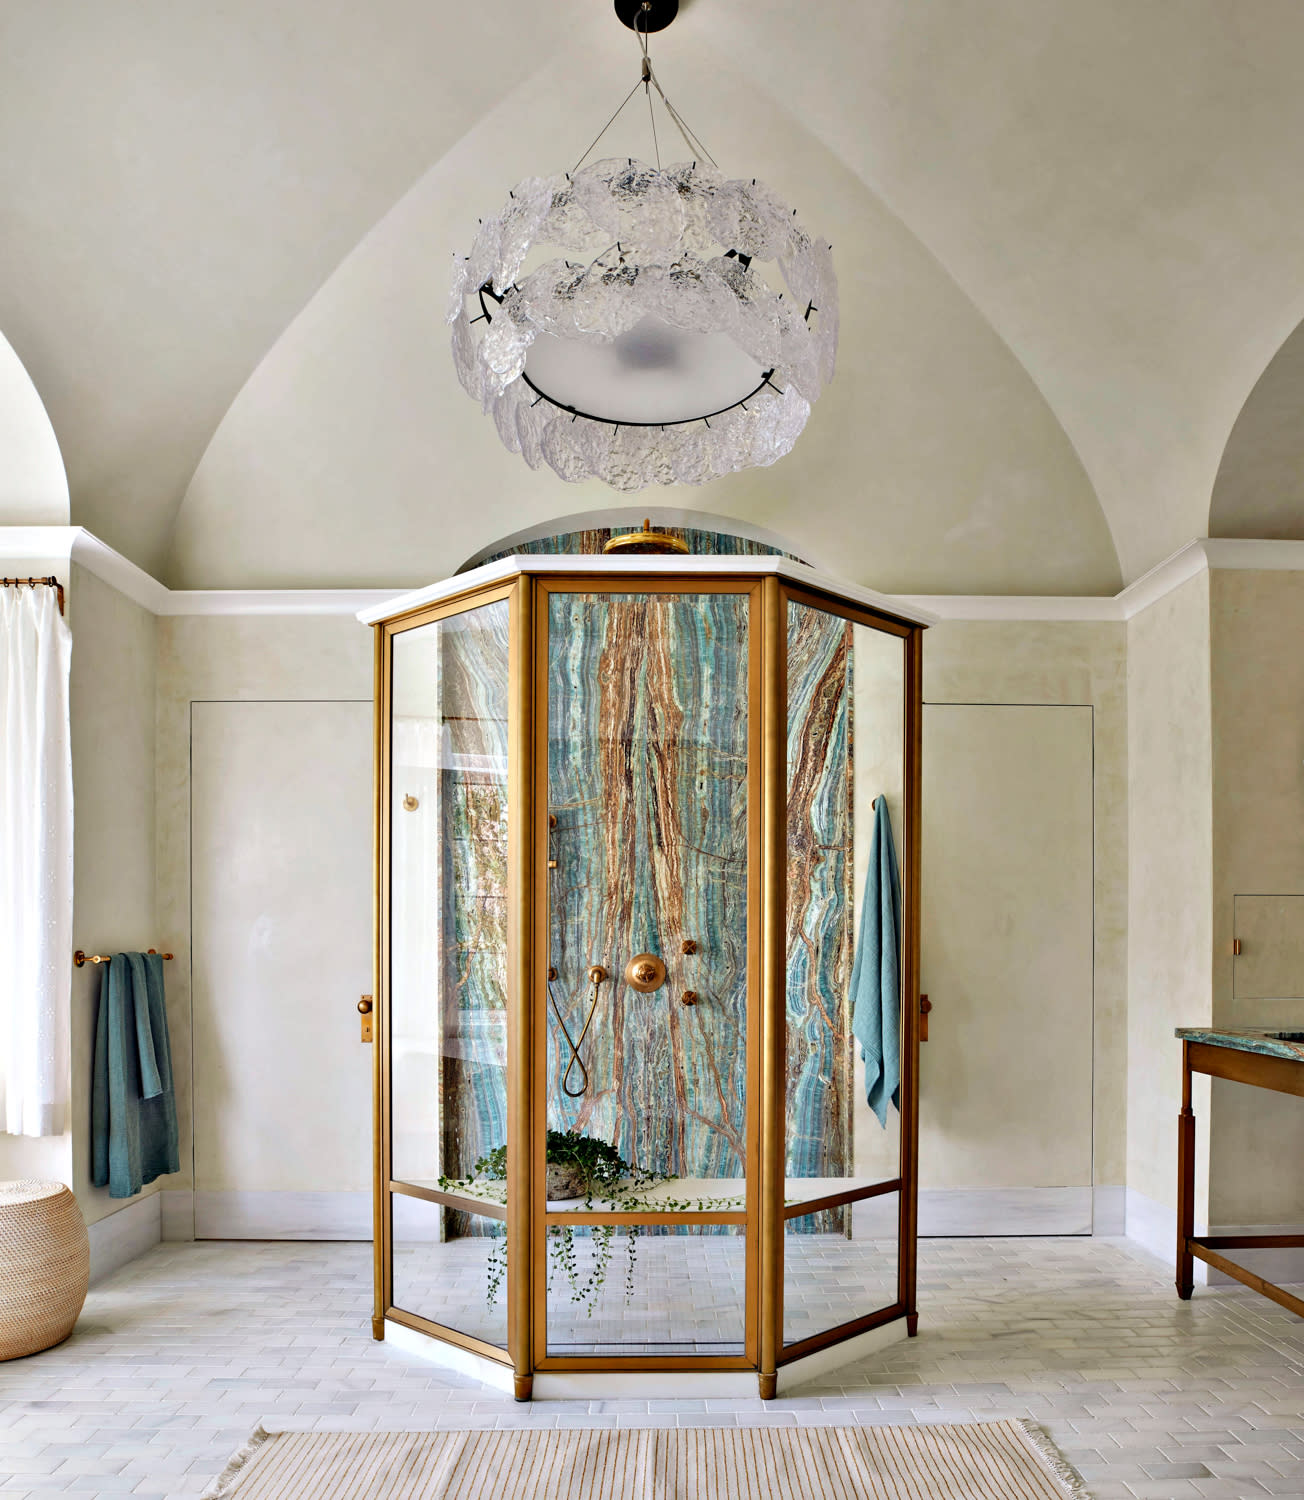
(35, 861)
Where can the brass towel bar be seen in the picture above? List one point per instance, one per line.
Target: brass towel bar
(51, 582)
(81, 958)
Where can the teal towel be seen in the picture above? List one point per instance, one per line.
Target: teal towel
(133, 1109)
(876, 977)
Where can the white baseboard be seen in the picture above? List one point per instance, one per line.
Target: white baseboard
(945, 1213)
(1153, 1226)
(122, 1236)
(281, 1216)
(1109, 1210)
(178, 1215)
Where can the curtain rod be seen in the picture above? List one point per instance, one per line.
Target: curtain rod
(51, 582)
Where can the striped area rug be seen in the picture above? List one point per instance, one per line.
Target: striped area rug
(980, 1461)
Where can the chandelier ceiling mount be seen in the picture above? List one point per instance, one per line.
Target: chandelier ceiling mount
(647, 16)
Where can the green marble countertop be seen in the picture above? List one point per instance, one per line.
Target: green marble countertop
(1277, 1041)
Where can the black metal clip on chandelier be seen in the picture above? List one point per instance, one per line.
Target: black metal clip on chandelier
(683, 333)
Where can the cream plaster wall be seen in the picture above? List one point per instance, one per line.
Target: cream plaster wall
(112, 702)
(1170, 788)
(1257, 622)
(1031, 662)
(240, 658)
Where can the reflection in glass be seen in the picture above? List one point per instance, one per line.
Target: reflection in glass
(846, 776)
(683, 1291)
(846, 703)
(448, 923)
(454, 1280)
(832, 1278)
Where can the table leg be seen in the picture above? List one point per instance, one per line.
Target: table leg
(1185, 1184)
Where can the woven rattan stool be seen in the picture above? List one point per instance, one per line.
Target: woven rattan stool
(44, 1266)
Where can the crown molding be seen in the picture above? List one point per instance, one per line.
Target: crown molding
(1198, 556)
(1046, 607)
(61, 546)
(274, 601)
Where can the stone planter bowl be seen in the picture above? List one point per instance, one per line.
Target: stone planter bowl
(564, 1182)
(44, 1266)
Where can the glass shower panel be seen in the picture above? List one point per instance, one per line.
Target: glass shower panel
(448, 919)
(648, 724)
(832, 1279)
(647, 1290)
(458, 1281)
(846, 774)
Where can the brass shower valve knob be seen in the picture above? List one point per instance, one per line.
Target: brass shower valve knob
(645, 972)
(689, 997)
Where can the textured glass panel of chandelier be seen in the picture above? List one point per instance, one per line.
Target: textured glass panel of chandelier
(682, 246)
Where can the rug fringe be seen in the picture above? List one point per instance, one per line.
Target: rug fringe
(224, 1484)
(1061, 1470)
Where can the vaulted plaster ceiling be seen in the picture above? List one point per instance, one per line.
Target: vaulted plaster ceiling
(1069, 238)
(1260, 485)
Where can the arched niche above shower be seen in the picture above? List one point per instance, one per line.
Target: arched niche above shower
(647, 966)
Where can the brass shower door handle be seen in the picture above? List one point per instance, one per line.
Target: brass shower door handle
(925, 1005)
(364, 1010)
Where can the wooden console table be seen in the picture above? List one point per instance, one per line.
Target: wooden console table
(1268, 1060)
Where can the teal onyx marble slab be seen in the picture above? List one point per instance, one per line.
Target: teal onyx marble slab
(647, 780)
(819, 1055)
(1267, 1041)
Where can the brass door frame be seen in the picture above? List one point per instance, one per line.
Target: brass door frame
(641, 584)
(384, 1187)
(765, 1213)
(774, 1353)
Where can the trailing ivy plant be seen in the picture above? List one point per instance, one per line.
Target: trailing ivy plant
(606, 1176)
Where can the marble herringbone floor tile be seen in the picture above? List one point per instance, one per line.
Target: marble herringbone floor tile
(181, 1353)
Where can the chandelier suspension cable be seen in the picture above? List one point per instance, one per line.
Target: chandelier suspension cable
(649, 81)
(647, 92)
(606, 127)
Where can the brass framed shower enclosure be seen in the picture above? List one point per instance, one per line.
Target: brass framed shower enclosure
(624, 833)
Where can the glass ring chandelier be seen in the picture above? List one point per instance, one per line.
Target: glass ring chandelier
(644, 324)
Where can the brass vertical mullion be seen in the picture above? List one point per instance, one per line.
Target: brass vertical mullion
(381, 1224)
(773, 996)
(910, 980)
(535, 668)
(754, 988)
(520, 998)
